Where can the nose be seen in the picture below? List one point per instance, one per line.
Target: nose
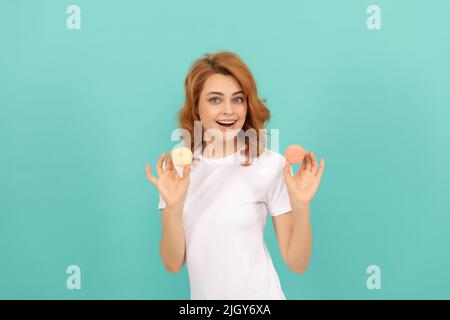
(228, 108)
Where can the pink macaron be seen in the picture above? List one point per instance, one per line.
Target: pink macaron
(294, 153)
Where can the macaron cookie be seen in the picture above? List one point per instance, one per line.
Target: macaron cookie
(294, 153)
(182, 156)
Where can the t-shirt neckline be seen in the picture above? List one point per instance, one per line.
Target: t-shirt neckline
(221, 159)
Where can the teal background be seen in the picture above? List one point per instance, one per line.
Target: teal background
(83, 111)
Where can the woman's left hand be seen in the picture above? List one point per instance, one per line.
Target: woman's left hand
(303, 185)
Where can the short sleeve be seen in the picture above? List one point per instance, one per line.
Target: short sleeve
(277, 194)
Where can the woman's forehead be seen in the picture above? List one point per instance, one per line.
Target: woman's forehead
(227, 85)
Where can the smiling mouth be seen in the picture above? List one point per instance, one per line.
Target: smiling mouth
(226, 123)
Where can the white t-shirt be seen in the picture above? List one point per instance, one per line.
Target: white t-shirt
(224, 218)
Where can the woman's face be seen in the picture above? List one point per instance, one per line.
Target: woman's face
(222, 106)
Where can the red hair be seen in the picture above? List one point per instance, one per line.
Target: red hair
(226, 63)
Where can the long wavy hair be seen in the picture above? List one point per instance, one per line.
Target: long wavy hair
(226, 63)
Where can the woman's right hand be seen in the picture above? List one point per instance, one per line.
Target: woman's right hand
(172, 188)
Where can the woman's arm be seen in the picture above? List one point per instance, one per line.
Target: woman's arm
(173, 190)
(300, 243)
(294, 236)
(172, 246)
(301, 188)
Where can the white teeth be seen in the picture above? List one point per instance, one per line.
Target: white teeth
(226, 122)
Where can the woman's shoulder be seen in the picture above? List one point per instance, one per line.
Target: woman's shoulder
(273, 156)
(271, 159)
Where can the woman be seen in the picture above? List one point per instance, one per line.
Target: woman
(214, 210)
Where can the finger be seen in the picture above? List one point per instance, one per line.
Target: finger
(170, 165)
(159, 165)
(314, 162)
(308, 162)
(149, 175)
(303, 166)
(186, 172)
(287, 169)
(321, 167)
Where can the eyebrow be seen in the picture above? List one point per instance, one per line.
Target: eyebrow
(221, 94)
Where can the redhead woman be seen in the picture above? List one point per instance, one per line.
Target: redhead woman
(214, 209)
